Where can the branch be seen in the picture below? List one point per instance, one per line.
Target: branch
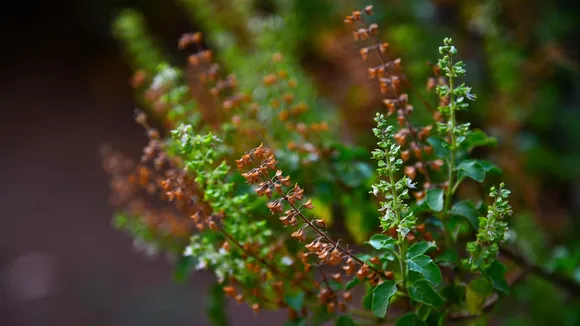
(529, 268)
(321, 233)
(562, 281)
(490, 302)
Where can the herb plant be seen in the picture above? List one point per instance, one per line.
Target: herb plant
(247, 178)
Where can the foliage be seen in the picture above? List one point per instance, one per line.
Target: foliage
(434, 246)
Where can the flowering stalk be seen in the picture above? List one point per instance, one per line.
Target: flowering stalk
(388, 78)
(325, 248)
(396, 213)
(252, 238)
(492, 230)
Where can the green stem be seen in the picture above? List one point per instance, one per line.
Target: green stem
(451, 163)
(402, 243)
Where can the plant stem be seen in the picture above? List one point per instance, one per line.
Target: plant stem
(402, 242)
(451, 163)
(412, 131)
(268, 266)
(314, 227)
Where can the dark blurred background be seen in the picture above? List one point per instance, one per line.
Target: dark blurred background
(65, 92)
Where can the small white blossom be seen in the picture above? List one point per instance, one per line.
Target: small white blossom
(375, 190)
(165, 76)
(287, 261)
(188, 251)
(403, 230)
(201, 265)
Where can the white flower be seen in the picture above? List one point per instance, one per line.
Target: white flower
(384, 207)
(166, 75)
(220, 275)
(403, 230)
(287, 261)
(201, 265)
(188, 251)
(410, 184)
(375, 190)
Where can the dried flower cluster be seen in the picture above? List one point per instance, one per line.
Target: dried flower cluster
(288, 201)
(417, 154)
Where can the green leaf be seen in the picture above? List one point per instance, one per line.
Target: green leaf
(382, 295)
(345, 320)
(478, 138)
(473, 301)
(425, 265)
(490, 167)
(423, 311)
(410, 319)
(422, 291)
(382, 241)
(435, 199)
(448, 257)
(367, 301)
(295, 301)
(476, 293)
(183, 268)
(496, 274)
(352, 283)
(419, 248)
(413, 277)
(454, 293)
(216, 306)
(440, 146)
(472, 169)
(466, 209)
(321, 316)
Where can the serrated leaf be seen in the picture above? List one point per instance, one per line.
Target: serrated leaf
(382, 295)
(422, 291)
(466, 209)
(419, 248)
(496, 274)
(435, 199)
(345, 321)
(425, 265)
(472, 169)
(352, 283)
(410, 319)
(382, 242)
(295, 301)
